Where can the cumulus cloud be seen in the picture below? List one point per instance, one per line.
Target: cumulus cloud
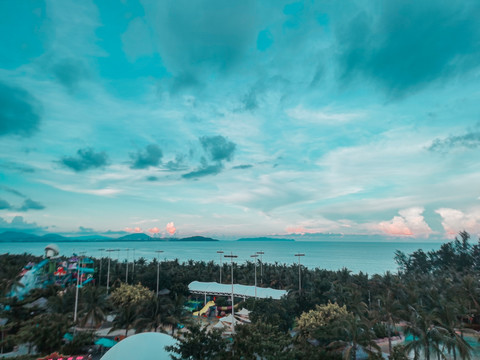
(242, 167)
(218, 147)
(469, 140)
(404, 46)
(4, 205)
(454, 221)
(154, 230)
(410, 222)
(30, 204)
(177, 164)
(69, 72)
(171, 229)
(85, 159)
(133, 230)
(151, 156)
(19, 224)
(19, 113)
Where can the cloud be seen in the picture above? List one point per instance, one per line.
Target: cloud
(192, 36)
(242, 167)
(69, 72)
(150, 157)
(404, 46)
(4, 205)
(16, 167)
(205, 170)
(85, 230)
(85, 159)
(171, 229)
(320, 116)
(218, 147)
(410, 223)
(154, 230)
(177, 164)
(454, 221)
(19, 224)
(134, 230)
(12, 191)
(19, 113)
(30, 204)
(470, 140)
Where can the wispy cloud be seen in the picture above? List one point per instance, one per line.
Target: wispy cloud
(321, 116)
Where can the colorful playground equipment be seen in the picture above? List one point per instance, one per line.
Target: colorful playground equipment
(53, 270)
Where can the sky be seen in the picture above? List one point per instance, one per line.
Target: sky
(240, 118)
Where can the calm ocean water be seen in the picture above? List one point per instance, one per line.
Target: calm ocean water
(368, 257)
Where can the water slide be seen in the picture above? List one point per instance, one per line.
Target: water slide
(29, 280)
(204, 309)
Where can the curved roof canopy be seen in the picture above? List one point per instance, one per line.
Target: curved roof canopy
(244, 291)
(149, 345)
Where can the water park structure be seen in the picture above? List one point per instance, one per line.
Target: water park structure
(53, 269)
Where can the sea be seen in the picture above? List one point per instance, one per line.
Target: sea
(367, 257)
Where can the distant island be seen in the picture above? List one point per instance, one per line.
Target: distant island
(14, 236)
(264, 239)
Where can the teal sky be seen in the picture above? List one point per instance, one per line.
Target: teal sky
(249, 118)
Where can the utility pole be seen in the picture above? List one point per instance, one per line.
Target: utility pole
(220, 253)
(299, 273)
(231, 256)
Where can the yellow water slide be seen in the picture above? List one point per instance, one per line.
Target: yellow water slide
(204, 309)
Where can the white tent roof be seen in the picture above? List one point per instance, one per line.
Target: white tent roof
(146, 346)
(226, 319)
(213, 288)
(243, 312)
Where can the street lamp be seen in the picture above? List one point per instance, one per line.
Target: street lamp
(220, 253)
(299, 273)
(126, 271)
(255, 257)
(158, 267)
(79, 267)
(261, 265)
(231, 256)
(101, 261)
(108, 272)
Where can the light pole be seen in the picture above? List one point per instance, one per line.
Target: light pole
(126, 271)
(133, 266)
(108, 271)
(79, 267)
(158, 267)
(299, 273)
(231, 256)
(220, 253)
(261, 265)
(255, 259)
(100, 272)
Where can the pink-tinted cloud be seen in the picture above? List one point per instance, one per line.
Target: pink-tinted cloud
(454, 221)
(154, 230)
(171, 229)
(410, 222)
(133, 230)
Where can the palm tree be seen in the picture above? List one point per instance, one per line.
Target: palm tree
(93, 306)
(356, 333)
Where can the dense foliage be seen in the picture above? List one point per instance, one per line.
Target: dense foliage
(435, 296)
